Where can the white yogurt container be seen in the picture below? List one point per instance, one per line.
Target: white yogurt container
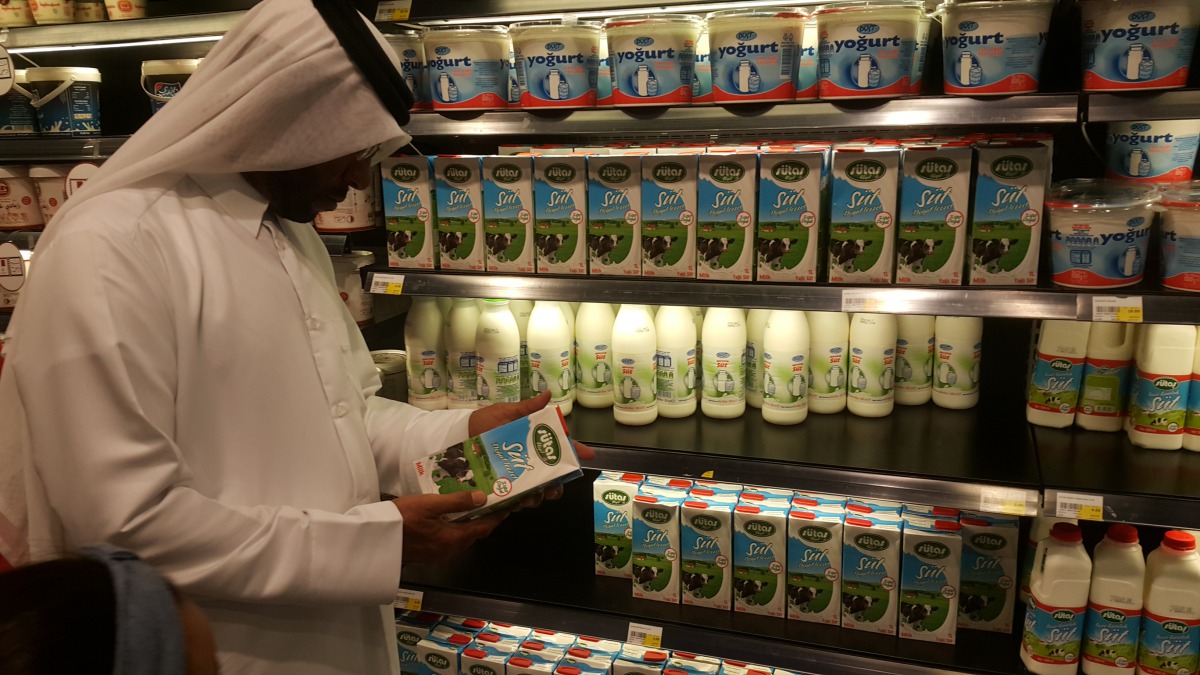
(355, 213)
(50, 182)
(349, 282)
(16, 13)
(50, 12)
(604, 76)
(468, 67)
(67, 100)
(89, 11)
(1138, 44)
(120, 10)
(702, 84)
(994, 48)
(806, 73)
(162, 80)
(653, 58)
(1181, 237)
(1099, 232)
(411, 51)
(557, 63)
(754, 54)
(1154, 151)
(920, 54)
(17, 116)
(18, 201)
(867, 47)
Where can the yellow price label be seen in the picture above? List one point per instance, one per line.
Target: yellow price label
(707, 474)
(393, 289)
(1091, 512)
(645, 635)
(393, 10)
(408, 600)
(1129, 315)
(653, 641)
(387, 284)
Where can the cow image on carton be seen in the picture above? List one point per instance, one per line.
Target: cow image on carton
(725, 217)
(459, 212)
(669, 194)
(791, 211)
(560, 225)
(504, 463)
(614, 215)
(508, 208)
(814, 560)
(705, 549)
(929, 579)
(934, 203)
(655, 566)
(613, 515)
(409, 213)
(862, 215)
(870, 570)
(759, 552)
(1006, 227)
(989, 572)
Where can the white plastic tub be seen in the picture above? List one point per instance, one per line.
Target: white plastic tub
(350, 284)
(994, 48)
(1154, 151)
(653, 58)
(162, 80)
(468, 67)
(1099, 232)
(1181, 238)
(15, 13)
(68, 100)
(1138, 44)
(51, 12)
(18, 200)
(120, 10)
(867, 47)
(50, 182)
(410, 48)
(754, 54)
(557, 63)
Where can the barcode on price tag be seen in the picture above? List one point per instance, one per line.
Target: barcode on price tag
(387, 284)
(393, 10)
(1110, 308)
(861, 300)
(1083, 507)
(410, 600)
(1009, 501)
(647, 636)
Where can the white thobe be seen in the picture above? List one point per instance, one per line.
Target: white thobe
(195, 390)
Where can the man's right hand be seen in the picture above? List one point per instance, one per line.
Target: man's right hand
(429, 538)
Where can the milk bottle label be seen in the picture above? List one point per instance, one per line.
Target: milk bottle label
(814, 576)
(669, 217)
(1193, 413)
(1181, 250)
(557, 71)
(551, 371)
(867, 58)
(615, 215)
(459, 213)
(754, 65)
(676, 375)
(1158, 403)
(1147, 48)
(1162, 152)
(468, 75)
(426, 375)
(1112, 636)
(724, 376)
(1105, 384)
(634, 388)
(409, 212)
(613, 513)
(785, 381)
(1168, 646)
(462, 368)
(560, 189)
(652, 69)
(872, 374)
(957, 369)
(1001, 56)
(1007, 224)
(914, 365)
(933, 211)
(593, 368)
(706, 546)
(725, 219)
(827, 374)
(1054, 386)
(508, 214)
(862, 228)
(498, 382)
(789, 217)
(1053, 634)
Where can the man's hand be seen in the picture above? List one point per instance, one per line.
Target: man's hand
(428, 538)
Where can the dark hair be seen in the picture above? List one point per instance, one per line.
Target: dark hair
(57, 618)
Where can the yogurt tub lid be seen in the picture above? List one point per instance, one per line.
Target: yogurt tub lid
(760, 13)
(62, 73)
(170, 66)
(1017, 5)
(406, 33)
(856, 5)
(391, 362)
(555, 24)
(14, 172)
(638, 19)
(50, 170)
(1090, 193)
(1182, 195)
(465, 31)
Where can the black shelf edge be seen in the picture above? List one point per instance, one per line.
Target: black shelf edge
(1163, 105)
(40, 150)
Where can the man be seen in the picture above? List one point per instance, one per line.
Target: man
(184, 381)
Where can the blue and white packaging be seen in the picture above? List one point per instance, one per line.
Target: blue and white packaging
(818, 500)
(871, 571)
(534, 658)
(557, 63)
(814, 563)
(613, 521)
(550, 639)
(468, 67)
(67, 101)
(1181, 247)
(1100, 232)
(1006, 223)
(807, 73)
(409, 213)
(867, 50)
(705, 551)
(1162, 151)
(1138, 44)
(408, 47)
(459, 190)
(656, 548)
(614, 215)
(587, 661)
(754, 54)
(669, 199)
(508, 207)
(560, 218)
(994, 50)
(411, 628)
(17, 116)
(935, 198)
(931, 571)
(653, 57)
(862, 230)
(702, 85)
(759, 557)
(486, 658)
(439, 652)
(599, 646)
(988, 586)
(638, 660)
(507, 631)
(725, 217)
(694, 664)
(604, 76)
(790, 213)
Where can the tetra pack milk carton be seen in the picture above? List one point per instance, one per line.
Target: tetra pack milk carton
(705, 551)
(508, 214)
(656, 548)
(989, 572)
(669, 195)
(408, 212)
(560, 217)
(725, 217)
(614, 215)
(411, 628)
(1006, 228)
(459, 190)
(613, 511)
(599, 645)
(862, 214)
(439, 652)
(814, 564)
(638, 660)
(930, 574)
(759, 554)
(486, 658)
(870, 571)
(934, 202)
(790, 213)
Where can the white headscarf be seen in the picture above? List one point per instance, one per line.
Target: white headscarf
(276, 93)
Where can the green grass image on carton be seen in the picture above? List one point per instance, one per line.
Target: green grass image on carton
(982, 602)
(864, 602)
(664, 242)
(809, 593)
(483, 476)
(1173, 663)
(651, 572)
(556, 240)
(719, 245)
(872, 240)
(701, 579)
(939, 233)
(1011, 242)
(406, 235)
(924, 611)
(621, 544)
(754, 585)
(512, 232)
(782, 257)
(460, 231)
(609, 241)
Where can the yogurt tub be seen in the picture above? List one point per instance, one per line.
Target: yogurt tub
(468, 67)
(350, 284)
(411, 52)
(920, 54)
(806, 73)
(754, 54)
(867, 47)
(67, 100)
(50, 12)
(604, 76)
(17, 116)
(18, 201)
(1181, 237)
(994, 48)
(162, 80)
(89, 11)
(1155, 151)
(120, 10)
(15, 13)
(1099, 232)
(355, 213)
(653, 57)
(50, 182)
(702, 84)
(557, 63)
(1138, 44)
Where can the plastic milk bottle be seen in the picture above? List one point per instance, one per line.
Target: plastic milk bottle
(959, 342)
(1170, 641)
(497, 354)
(593, 363)
(1106, 375)
(425, 344)
(634, 361)
(551, 347)
(1057, 373)
(724, 349)
(829, 337)
(1158, 400)
(1057, 607)
(1115, 603)
(785, 367)
(460, 354)
(677, 361)
(872, 364)
(914, 359)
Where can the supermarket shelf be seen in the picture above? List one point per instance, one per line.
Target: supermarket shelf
(59, 149)
(1178, 104)
(536, 569)
(91, 35)
(922, 454)
(1150, 487)
(907, 113)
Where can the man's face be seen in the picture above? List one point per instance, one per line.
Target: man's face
(300, 194)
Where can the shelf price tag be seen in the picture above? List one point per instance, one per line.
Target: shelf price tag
(409, 600)
(387, 284)
(1083, 507)
(647, 636)
(393, 10)
(861, 300)
(1111, 308)
(1009, 501)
